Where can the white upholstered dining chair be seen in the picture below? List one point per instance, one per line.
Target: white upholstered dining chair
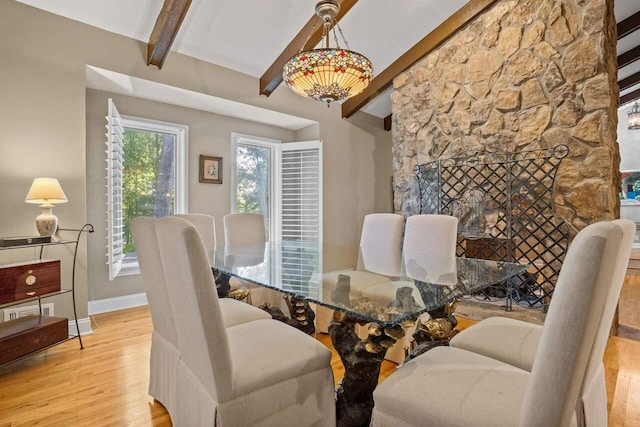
(233, 313)
(449, 386)
(379, 260)
(206, 226)
(164, 354)
(220, 379)
(516, 342)
(428, 255)
(242, 229)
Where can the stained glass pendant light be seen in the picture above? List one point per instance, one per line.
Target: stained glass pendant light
(328, 74)
(634, 117)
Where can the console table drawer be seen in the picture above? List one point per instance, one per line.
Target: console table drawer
(27, 334)
(26, 280)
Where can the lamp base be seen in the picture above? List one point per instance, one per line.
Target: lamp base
(46, 222)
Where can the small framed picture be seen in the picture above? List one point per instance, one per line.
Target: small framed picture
(210, 169)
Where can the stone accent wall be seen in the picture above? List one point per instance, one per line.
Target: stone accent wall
(525, 74)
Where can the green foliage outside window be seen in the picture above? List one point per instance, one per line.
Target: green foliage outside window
(148, 187)
(252, 178)
(253, 165)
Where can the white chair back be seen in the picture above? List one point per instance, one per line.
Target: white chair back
(206, 226)
(624, 253)
(164, 356)
(571, 325)
(429, 248)
(243, 229)
(592, 405)
(143, 231)
(380, 244)
(202, 336)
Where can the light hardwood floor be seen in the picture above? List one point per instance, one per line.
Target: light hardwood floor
(630, 300)
(106, 383)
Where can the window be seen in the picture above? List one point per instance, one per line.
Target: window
(283, 182)
(147, 165)
(252, 183)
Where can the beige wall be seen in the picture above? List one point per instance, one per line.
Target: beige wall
(43, 132)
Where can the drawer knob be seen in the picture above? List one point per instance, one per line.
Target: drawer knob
(30, 280)
(31, 293)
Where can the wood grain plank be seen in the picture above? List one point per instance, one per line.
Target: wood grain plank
(630, 81)
(629, 308)
(165, 30)
(625, 401)
(629, 57)
(629, 25)
(388, 122)
(629, 97)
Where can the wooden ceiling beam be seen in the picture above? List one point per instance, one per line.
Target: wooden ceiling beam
(631, 96)
(629, 57)
(165, 30)
(630, 81)
(307, 38)
(431, 41)
(387, 122)
(629, 25)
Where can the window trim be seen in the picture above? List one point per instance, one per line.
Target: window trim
(181, 172)
(182, 153)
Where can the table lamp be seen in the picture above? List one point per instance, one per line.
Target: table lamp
(46, 192)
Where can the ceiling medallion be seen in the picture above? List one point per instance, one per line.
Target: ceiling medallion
(328, 74)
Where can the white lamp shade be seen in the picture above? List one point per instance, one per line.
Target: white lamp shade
(45, 191)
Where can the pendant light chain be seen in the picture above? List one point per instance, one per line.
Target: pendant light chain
(346, 43)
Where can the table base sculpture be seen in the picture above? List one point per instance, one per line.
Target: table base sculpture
(301, 311)
(224, 288)
(302, 316)
(362, 359)
(436, 331)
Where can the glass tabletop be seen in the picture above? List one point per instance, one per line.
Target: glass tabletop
(296, 268)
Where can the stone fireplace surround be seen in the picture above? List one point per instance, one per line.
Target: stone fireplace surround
(524, 75)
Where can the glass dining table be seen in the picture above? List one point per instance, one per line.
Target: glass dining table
(386, 305)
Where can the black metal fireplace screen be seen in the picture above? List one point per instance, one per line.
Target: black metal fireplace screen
(504, 204)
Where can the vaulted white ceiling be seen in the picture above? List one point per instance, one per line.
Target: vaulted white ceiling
(248, 35)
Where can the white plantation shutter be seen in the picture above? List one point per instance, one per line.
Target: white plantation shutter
(300, 263)
(115, 133)
(301, 191)
(301, 215)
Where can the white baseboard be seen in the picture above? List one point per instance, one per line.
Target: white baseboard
(83, 324)
(118, 303)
